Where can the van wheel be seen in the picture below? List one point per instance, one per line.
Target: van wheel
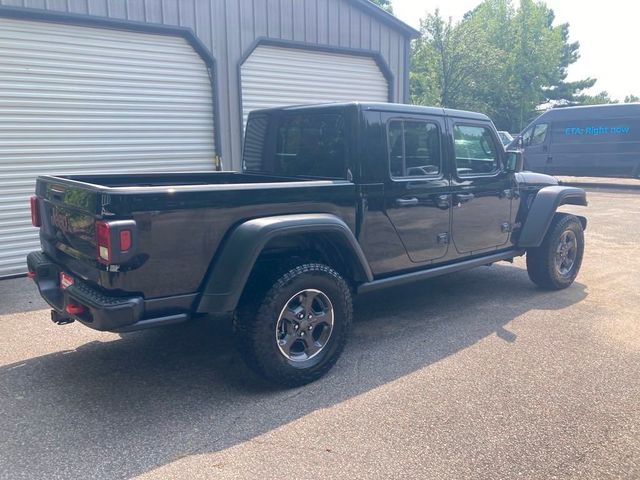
(294, 333)
(555, 264)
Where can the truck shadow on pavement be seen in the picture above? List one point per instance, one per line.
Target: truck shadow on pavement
(121, 408)
(19, 295)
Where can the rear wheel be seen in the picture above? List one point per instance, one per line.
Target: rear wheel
(295, 332)
(555, 264)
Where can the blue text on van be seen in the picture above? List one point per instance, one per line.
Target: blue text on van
(597, 131)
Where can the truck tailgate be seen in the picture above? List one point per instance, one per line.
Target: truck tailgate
(67, 216)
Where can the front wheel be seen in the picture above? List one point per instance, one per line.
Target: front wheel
(555, 264)
(294, 334)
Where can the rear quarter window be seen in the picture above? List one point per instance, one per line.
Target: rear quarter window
(306, 145)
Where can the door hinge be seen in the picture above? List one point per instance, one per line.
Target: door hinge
(506, 227)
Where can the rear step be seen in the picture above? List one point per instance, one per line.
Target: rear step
(89, 305)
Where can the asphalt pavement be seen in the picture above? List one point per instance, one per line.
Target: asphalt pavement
(476, 375)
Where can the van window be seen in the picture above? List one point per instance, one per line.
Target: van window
(414, 148)
(539, 134)
(475, 150)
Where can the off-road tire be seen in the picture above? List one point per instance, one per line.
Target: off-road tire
(256, 320)
(541, 261)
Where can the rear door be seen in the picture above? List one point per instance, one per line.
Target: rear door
(417, 197)
(482, 190)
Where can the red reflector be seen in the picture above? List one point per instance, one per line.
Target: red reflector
(74, 309)
(65, 281)
(103, 242)
(35, 212)
(125, 240)
(31, 274)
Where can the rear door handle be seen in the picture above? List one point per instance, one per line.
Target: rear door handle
(406, 202)
(464, 197)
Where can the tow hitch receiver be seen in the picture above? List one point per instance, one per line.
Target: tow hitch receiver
(60, 319)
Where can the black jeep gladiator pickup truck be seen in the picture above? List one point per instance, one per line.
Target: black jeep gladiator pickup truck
(334, 200)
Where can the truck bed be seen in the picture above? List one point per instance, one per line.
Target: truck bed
(181, 219)
(176, 179)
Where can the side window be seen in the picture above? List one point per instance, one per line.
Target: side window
(414, 149)
(305, 145)
(311, 145)
(539, 134)
(475, 150)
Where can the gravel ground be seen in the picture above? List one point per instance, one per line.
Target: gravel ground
(474, 375)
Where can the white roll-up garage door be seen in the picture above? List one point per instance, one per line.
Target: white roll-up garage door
(91, 100)
(277, 76)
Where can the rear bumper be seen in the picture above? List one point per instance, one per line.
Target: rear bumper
(99, 311)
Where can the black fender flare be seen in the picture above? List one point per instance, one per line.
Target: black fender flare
(542, 210)
(232, 265)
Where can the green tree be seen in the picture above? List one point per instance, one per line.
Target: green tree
(449, 63)
(500, 59)
(631, 99)
(598, 99)
(384, 4)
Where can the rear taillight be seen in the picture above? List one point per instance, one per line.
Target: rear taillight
(103, 242)
(35, 212)
(115, 241)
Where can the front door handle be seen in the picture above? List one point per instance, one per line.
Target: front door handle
(406, 202)
(443, 202)
(508, 194)
(464, 197)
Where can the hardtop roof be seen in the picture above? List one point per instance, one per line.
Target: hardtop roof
(385, 107)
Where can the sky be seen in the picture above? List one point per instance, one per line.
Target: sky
(608, 32)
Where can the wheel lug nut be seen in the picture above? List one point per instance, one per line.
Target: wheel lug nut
(310, 327)
(302, 334)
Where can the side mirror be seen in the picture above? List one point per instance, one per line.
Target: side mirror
(515, 144)
(514, 161)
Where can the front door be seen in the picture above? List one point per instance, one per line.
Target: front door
(482, 190)
(417, 197)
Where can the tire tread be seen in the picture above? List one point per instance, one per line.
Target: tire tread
(248, 328)
(540, 261)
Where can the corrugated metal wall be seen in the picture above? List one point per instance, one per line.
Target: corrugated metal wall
(230, 27)
(87, 100)
(274, 76)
